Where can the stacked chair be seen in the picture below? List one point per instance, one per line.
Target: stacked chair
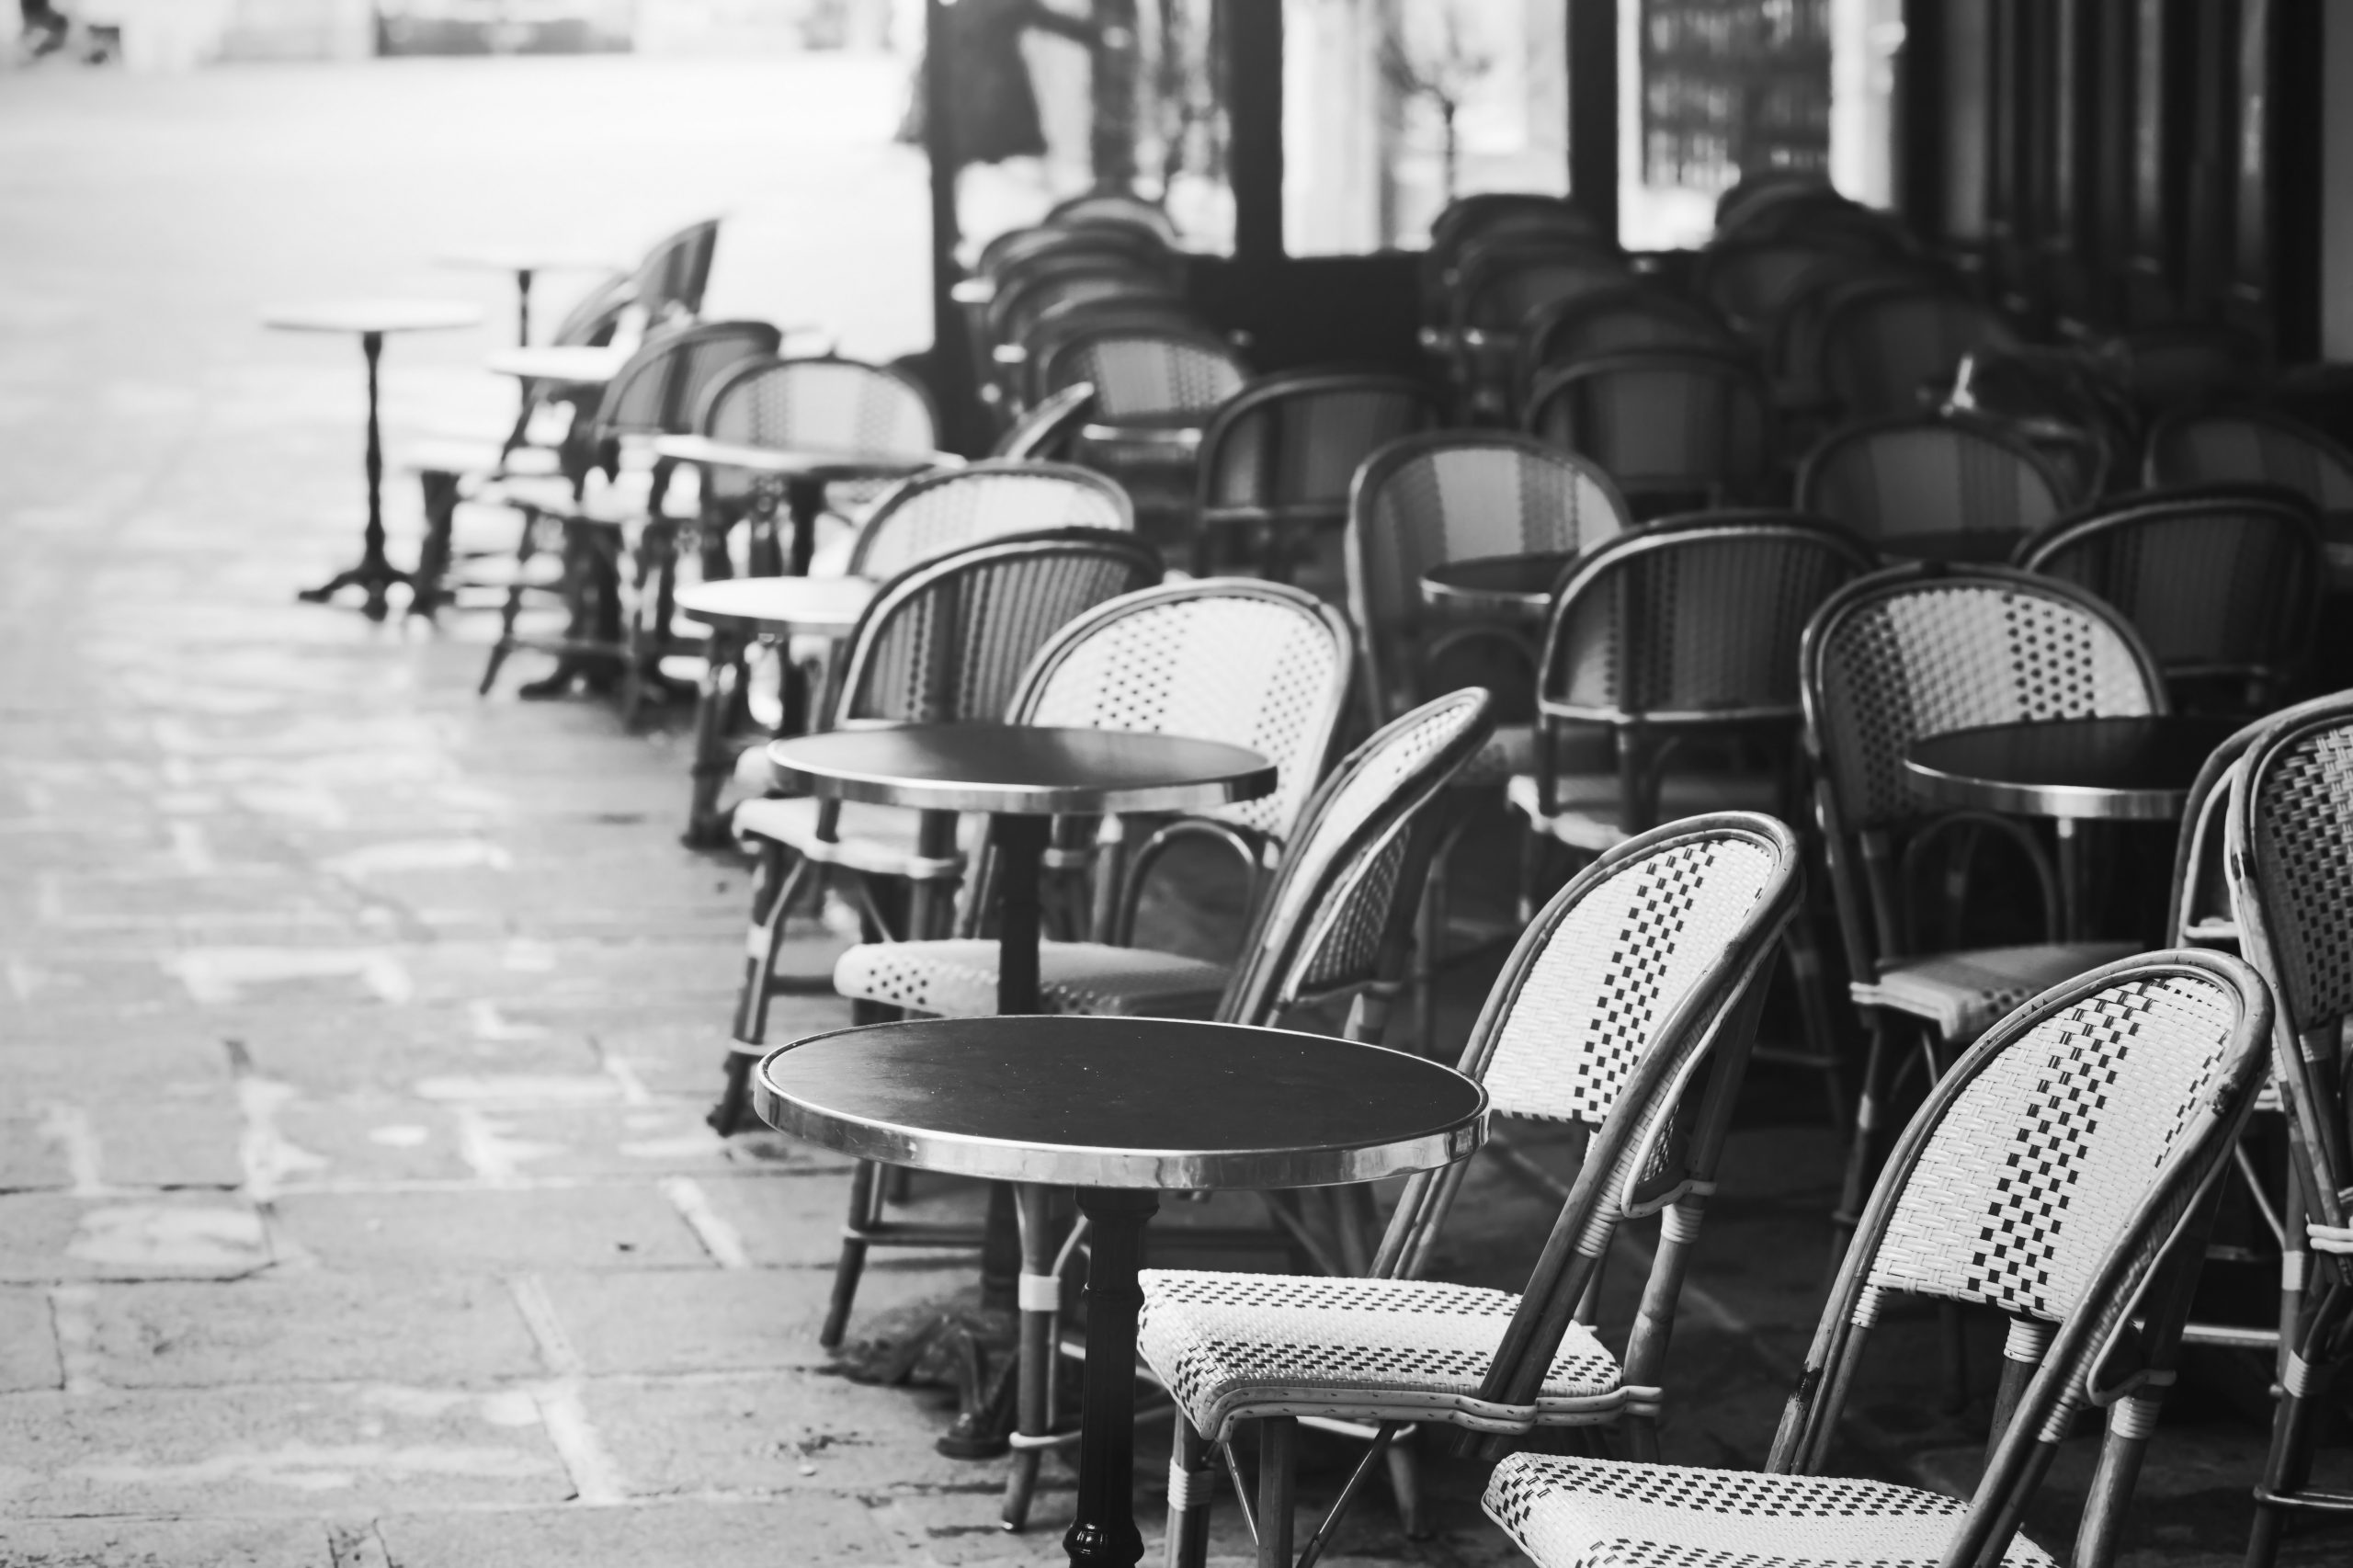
(1923, 474)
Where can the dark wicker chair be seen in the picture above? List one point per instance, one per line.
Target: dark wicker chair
(2248, 446)
(1630, 318)
(1923, 474)
(1885, 344)
(1675, 428)
(1499, 283)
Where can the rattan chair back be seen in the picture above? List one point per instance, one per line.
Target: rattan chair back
(660, 390)
(1630, 318)
(1501, 280)
(671, 279)
(2223, 582)
(1145, 372)
(820, 404)
(2249, 445)
(1455, 495)
(926, 516)
(1751, 282)
(1884, 345)
(947, 641)
(598, 315)
(1288, 447)
(1045, 432)
(1114, 208)
(1928, 474)
(2186, 365)
(1063, 280)
(1671, 426)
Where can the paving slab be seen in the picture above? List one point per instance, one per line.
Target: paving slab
(716, 1534)
(46, 1236)
(274, 1542)
(720, 1319)
(489, 1230)
(28, 1356)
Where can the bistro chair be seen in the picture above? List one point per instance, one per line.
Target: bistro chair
(671, 279)
(1891, 479)
(1676, 428)
(2064, 1172)
(1047, 432)
(1082, 315)
(657, 392)
(1740, 201)
(1677, 646)
(1457, 496)
(1487, 215)
(1750, 282)
(2249, 445)
(931, 514)
(1155, 387)
(1115, 208)
(2186, 365)
(1683, 916)
(1794, 336)
(1278, 460)
(1330, 927)
(1500, 283)
(1631, 318)
(2222, 583)
(1885, 345)
(1004, 255)
(1915, 652)
(945, 641)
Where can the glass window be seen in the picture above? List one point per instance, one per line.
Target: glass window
(1393, 107)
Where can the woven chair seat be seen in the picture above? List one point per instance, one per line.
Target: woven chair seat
(1243, 1347)
(1962, 994)
(1580, 1513)
(957, 979)
(1587, 813)
(877, 840)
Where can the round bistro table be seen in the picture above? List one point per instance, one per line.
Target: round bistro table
(1023, 775)
(738, 609)
(2071, 771)
(1123, 1110)
(1509, 587)
(806, 472)
(371, 319)
(524, 263)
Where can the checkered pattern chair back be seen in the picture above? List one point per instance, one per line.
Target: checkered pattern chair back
(1254, 664)
(926, 516)
(2221, 581)
(671, 279)
(1337, 916)
(2249, 447)
(2290, 834)
(660, 389)
(1456, 495)
(1695, 619)
(1146, 371)
(1881, 347)
(1662, 422)
(1043, 434)
(823, 404)
(1293, 443)
(1923, 474)
(947, 642)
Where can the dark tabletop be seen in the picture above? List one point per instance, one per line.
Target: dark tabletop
(2129, 768)
(1156, 1103)
(1026, 770)
(1519, 583)
(1971, 547)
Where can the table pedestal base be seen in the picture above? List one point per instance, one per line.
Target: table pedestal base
(373, 573)
(1105, 1531)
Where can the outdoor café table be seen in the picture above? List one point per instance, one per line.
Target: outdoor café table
(738, 609)
(805, 473)
(1123, 1110)
(564, 364)
(1023, 775)
(1517, 588)
(2071, 771)
(524, 263)
(1965, 547)
(372, 321)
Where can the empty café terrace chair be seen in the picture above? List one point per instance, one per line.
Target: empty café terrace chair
(1330, 927)
(1923, 474)
(1750, 282)
(1628, 318)
(1500, 283)
(1492, 215)
(1277, 462)
(2223, 583)
(2064, 1172)
(2289, 854)
(1020, 364)
(1684, 917)
(2185, 365)
(1918, 650)
(1676, 428)
(1459, 495)
(945, 641)
(1884, 346)
(2249, 445)
(1047, 432)
(1155, 388)
(1118, 207)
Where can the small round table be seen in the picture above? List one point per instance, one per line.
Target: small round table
(2070, 770)
(1123, 1110)
(1023, 775)
(805, 473)
(738, 609)
(1965, 547)
(524, 263)
(371, 319)
(1508, 587)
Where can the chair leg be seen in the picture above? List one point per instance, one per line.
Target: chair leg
(771, 906)
(648, 629)
(526, 546)
(1191, 1477)
(853, 1258)
(1405, 1487)
(1857, 1182)
(1278, 1488)
(1039, 1298)
(1802, 950)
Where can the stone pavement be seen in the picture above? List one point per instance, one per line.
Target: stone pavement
(355, 1205)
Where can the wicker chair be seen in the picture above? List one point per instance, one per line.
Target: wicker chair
(1750, 282)
(1469, 219)
(1162, 384)
(1457, 496)
(1684, 916)
(1630, 318)
(2223, 583)
(1078, 314)
(1114, 208)
(944, 641)
(1915, 652)
(2064, 1172)
(2186, 365)
(671, 279)
(1883, 344)
(1676, 428)
(1499, 283)
(1277, 462)
(1331, 925)
(1047, 432)
(2249, 445)
(658, 391)
(2289, 835)
(1928, 475)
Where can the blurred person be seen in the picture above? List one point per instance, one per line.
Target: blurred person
(992, 117)
(45, 28)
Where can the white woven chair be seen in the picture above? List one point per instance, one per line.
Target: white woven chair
(1332, 925)
(1915, 652)
(2289, 854)
(2064, 1170)
(1620, 1012)
(944, 642)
